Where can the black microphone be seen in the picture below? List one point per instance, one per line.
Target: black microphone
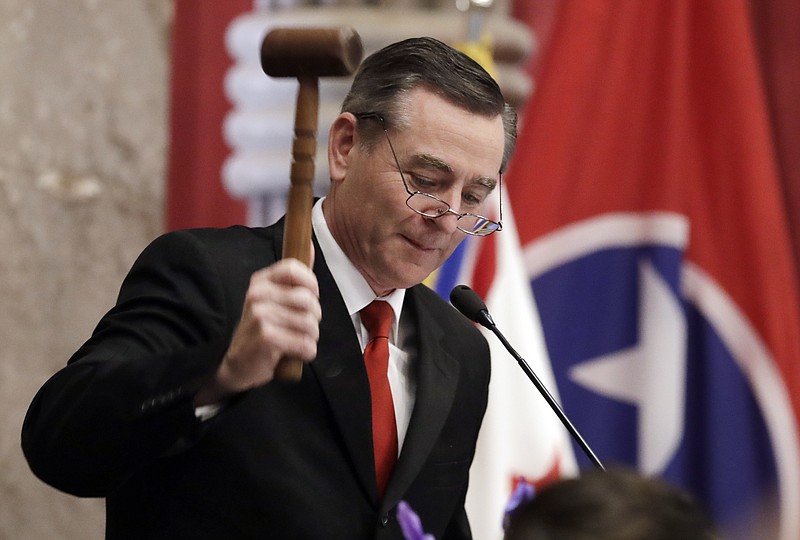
(472, 307)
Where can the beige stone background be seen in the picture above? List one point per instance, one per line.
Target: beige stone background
(83, 134)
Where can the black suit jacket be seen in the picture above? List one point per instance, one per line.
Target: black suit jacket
(286, 460)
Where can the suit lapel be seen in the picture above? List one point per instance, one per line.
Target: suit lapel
(437, 380)
(339, 368)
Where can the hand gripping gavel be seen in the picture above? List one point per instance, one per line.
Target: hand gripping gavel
(305, 53)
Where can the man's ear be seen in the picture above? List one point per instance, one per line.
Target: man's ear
(341, 143)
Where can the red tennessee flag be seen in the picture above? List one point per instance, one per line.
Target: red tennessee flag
(656, 240)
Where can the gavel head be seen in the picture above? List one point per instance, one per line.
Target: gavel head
(311, 52)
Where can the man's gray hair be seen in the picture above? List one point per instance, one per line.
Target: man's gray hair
(385, 79)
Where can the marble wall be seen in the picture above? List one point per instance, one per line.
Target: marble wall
(83, 134)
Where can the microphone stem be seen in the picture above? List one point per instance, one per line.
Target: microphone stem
(549, 398)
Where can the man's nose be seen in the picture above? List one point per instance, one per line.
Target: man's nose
(453, 198)
(447, 222)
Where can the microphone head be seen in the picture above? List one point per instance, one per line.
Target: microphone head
(470, 305)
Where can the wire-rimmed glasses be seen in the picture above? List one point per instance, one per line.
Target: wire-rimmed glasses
(431, 206)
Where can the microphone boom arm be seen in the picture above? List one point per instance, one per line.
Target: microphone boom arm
(472, 307)
(548, 397)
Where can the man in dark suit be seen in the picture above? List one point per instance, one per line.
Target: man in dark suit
(171, 410)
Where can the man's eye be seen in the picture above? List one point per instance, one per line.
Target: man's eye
(471, 199)
(422, 183)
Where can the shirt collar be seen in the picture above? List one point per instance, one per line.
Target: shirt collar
(354, 289)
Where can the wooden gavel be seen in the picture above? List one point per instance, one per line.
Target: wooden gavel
(305, 53)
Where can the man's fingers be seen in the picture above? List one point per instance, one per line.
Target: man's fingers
(292, 343)
(279, 325)
(280, 319)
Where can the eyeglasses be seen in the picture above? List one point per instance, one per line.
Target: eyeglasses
(431, 206)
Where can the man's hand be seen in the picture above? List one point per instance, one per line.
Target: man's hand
(280, 318)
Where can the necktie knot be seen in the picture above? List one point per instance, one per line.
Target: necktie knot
(377, 319)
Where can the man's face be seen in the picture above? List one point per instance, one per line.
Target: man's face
(445, 151)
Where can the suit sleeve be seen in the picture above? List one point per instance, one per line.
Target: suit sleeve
(458, 528)
(125, 397)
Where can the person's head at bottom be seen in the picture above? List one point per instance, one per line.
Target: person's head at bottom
(610, 505)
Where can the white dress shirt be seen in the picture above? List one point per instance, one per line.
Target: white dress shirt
(357, 294)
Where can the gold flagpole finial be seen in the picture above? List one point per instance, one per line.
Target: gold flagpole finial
(478, 44)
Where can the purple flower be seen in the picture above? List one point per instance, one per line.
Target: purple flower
(410, 523)
(522, 493)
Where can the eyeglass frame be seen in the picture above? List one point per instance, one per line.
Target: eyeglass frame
(499, 222)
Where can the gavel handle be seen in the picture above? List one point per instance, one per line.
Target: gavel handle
(297, 235)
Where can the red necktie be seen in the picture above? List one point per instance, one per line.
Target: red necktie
(377, 318)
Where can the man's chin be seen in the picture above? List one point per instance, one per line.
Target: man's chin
(414, 274)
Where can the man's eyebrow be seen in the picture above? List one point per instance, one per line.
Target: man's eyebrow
(431, 161)
(487, 182)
